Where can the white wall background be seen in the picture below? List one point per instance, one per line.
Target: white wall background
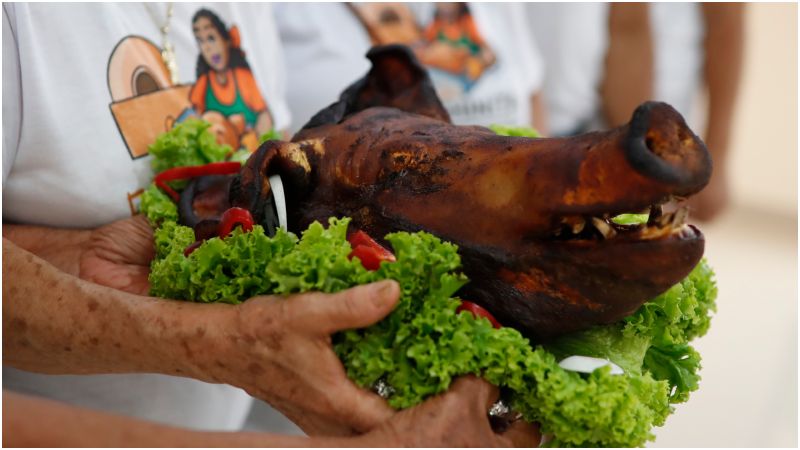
(764, 151)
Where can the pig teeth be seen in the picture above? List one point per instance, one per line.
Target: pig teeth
(665, 220)
(575, 223)
(680, 216)
(603, 227)
(655, 214)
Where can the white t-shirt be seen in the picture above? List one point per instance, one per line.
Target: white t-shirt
(678, 31)
(573, 38)
(82, 83)
(325, 44)
(79, 107)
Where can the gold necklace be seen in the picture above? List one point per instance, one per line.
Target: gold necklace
(167, 49)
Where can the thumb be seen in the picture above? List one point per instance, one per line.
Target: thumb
(356, 307)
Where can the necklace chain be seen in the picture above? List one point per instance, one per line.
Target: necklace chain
(167, 49)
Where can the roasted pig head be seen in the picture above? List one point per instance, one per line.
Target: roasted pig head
(531, 217)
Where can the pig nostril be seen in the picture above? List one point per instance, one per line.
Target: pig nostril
(650, 144)
(661, 146)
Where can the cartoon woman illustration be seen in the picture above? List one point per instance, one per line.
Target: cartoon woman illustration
(226, 93)
(454, 43)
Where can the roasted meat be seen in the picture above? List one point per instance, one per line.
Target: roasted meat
(531, 216)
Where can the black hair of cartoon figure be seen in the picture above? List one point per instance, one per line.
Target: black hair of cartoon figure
(236, 55)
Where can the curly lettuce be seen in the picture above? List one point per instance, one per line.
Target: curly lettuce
(158, 206)
(189, 143)
(424, 343)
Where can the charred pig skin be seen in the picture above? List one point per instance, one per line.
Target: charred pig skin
(530, 215)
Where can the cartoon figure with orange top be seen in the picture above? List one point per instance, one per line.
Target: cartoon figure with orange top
(225, 92)
(454, 43)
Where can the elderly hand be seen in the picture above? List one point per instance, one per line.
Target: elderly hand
(457, 418)
(279, 350)
(118, 255)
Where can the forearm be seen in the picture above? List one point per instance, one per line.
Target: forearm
(32, 422)
(56, 323)
(540, 122)
(724, 49)
(58, 246)
(628, 79)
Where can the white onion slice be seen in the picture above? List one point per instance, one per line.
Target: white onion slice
(280, 199)
(587, 364)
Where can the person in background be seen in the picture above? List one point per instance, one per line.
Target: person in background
(483, 61)
(720, 44)
(603, 60)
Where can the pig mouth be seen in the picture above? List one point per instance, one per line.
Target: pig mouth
(628, 227)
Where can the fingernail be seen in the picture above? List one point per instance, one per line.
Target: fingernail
(382, 292)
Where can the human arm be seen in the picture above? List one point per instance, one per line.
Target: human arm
(540, 122)
(276, 348)
(629, 64)
(429, 424)
(724, 50)
(59, 425)
(116, 255)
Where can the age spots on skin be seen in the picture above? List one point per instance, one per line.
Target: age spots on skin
(93, 305)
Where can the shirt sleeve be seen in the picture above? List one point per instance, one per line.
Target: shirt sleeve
(12, 92)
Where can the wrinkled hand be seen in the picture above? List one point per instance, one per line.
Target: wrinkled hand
(279, 350)
(118, 255)
(457, 418)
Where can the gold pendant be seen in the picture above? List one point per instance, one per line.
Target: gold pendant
(168, 55)
(167, 50)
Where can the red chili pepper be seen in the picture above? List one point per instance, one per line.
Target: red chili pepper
(368, 251)
(232, 217)
(368, 256)
(192, 247)
(186, 172)
(478, 311)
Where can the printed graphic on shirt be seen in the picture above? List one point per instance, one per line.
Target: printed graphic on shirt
(145, 102)
(450, 45)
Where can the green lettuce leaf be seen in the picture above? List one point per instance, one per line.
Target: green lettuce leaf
(630, 219)
(158, 206)
(271, 135)
(189, 143)
(679, 314)
(507, 130)
(424, 344)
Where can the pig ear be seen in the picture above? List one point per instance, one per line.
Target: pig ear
(396, 80)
